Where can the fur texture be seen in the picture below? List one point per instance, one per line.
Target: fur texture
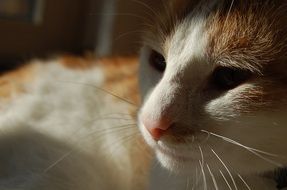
(210, 134)
(59, 130)
(216, 138)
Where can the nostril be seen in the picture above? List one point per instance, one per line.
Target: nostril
(156, 133)
(156, 127)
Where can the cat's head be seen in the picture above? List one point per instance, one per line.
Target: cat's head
(213, 79)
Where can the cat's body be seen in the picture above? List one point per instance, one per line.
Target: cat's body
(60, 131)
(213, 83)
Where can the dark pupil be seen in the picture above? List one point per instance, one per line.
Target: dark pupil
(228, 78)
(157, 61)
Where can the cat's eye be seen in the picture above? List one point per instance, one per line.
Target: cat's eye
(157, 61)
(228, 78)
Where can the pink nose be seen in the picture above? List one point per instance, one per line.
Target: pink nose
(156, 127)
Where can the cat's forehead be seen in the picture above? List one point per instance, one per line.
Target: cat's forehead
(188, 42)
(245, 34)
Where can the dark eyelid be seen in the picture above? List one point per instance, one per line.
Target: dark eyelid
(226, 78)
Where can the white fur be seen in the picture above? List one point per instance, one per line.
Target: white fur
(58, 136)
(53, 136)
(178, 95)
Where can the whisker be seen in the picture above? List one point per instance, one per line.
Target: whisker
(237, 143)
(58, 161)
(128, 33)
(104, 117)
(228, 13)
(120, 14)
(213, 178)
(245, 183)
(192, 139)
(207, 138)
(98, 119)
(149, 8)
(103, 90)
(201, 153)
(69, 153)
(111, 129)
(117, 114)
(120, 141)
(226, 168)
(203, 175)
(202, 165)
(142, 148)
(196, 176)
(252, 150)
(227, 183)
(155, 13)
(99, 134)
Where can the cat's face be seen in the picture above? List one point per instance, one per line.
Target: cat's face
(214, 86)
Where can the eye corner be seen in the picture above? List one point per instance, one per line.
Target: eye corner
(227, 78)
(157, 61)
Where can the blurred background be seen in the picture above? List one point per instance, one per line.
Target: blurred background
(41, 28)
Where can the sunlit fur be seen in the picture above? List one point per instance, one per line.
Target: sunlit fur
(244, 127)
(60, 131)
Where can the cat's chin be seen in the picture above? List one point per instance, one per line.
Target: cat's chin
(178, 159)
(181, 164)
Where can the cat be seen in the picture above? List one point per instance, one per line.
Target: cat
(213, 81)
(63, 128)
(213, 84)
